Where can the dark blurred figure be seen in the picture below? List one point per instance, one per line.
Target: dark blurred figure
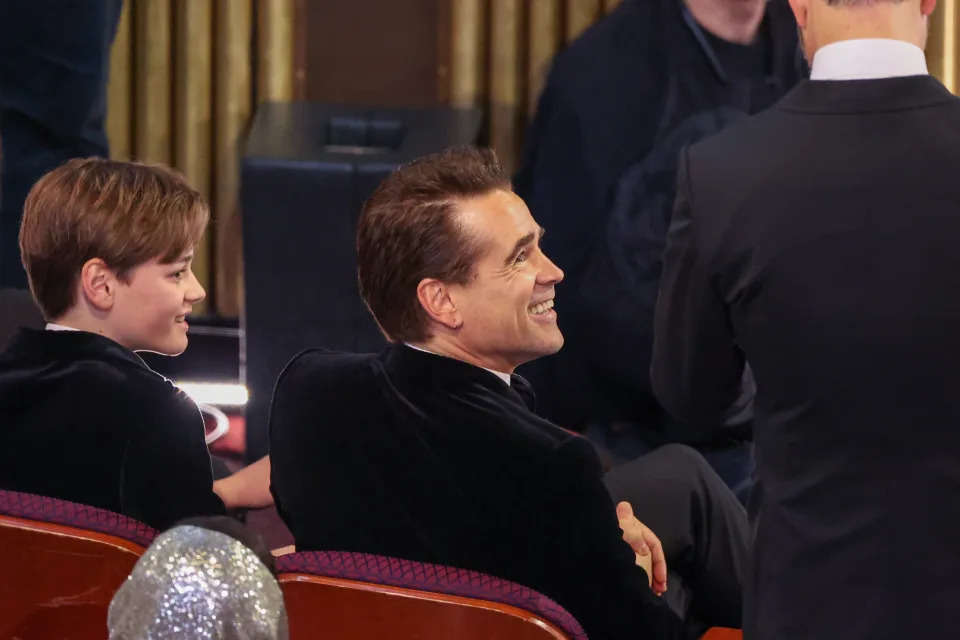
(599, 174)
(54, 63)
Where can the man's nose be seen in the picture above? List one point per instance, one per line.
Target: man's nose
(550, 273)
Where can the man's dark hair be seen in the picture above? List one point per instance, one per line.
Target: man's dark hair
(408, 231)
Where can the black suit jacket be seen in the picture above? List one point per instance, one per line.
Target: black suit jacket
(423, 457)
(84, 419)
(819, 241)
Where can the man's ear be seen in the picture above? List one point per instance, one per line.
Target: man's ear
(927, 7)
(98, 283)
(434, 297)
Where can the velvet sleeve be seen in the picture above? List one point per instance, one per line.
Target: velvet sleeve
(166, 474)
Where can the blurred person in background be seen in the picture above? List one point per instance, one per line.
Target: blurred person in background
(54, 63)
(599, 172)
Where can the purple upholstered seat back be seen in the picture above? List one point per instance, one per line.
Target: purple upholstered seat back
(433, 578)
(71, 514)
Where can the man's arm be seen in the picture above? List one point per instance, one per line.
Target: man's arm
(582, 559)
(696, 368)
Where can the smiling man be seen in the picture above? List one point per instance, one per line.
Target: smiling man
(431, 450)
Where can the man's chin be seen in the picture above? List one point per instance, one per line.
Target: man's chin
(551, 346)
(558, 343)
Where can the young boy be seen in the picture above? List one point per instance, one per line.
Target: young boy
(107, 247)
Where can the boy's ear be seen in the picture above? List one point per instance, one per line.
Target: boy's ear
(800, 12)
(98, 282)
(434, 297)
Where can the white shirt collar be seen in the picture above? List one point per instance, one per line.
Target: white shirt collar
(503, 376)
(868, 59)
(58, 327)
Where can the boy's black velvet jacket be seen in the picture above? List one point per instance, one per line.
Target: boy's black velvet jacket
(84, 419)
(418, 456)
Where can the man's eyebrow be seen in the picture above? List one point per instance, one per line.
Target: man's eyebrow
(185, 259)
(522, 242)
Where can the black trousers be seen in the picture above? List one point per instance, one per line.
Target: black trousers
(703, 528)
(54, 63)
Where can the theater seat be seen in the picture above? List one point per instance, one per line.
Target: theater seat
(60, 564)
(354, 596)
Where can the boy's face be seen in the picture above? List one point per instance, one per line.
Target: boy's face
(149, 310)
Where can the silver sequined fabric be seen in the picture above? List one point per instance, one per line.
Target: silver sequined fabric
(197, 583)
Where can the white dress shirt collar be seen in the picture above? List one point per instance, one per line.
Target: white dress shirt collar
(58, 327)
(503, 376)
(868, 59)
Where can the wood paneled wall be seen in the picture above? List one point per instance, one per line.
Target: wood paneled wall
(942, 43)
(184, 78)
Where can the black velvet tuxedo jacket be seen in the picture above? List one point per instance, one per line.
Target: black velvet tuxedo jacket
(418, 456)
(84, 419)
(820, 242)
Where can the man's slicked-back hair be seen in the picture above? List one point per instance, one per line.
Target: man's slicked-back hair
(409, 231)
(124, 213)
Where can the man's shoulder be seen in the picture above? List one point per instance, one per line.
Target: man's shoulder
(316, 377)
(327, 366)
(739, 147)
(748, 129)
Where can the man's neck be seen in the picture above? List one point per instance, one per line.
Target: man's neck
(441, 346)
(735, 21)
(868, 21)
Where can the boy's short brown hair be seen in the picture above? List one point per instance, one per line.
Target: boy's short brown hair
(124, 213)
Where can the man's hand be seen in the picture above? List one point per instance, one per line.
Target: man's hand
(646, 545)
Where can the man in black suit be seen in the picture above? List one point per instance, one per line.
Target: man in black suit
(431, 450)
(817, 241)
